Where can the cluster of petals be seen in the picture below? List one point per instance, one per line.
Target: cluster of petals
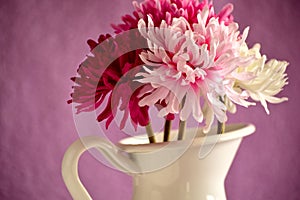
(95, 83)
(195, 63)
(167, 10)
(191, 62)
(108, 71)
(269, 78)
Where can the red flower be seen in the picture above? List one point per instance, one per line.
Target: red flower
(98, 75)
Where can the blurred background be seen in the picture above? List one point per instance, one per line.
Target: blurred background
(43, 42)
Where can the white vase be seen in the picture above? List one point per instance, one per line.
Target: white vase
(178, 170)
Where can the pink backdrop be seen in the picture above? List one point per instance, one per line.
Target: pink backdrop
(42, 43)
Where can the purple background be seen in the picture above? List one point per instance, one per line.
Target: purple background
(42, 43)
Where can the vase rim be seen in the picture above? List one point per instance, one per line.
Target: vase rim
(141, 143)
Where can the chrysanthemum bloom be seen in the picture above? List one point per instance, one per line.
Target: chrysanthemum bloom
(93, 85)
(191, 62)
(193, 53)
(100, 73)
(166, 10)
(268, 78)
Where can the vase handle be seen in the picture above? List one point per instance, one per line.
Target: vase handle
(73, 153)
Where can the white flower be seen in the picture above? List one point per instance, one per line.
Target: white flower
(269, 78)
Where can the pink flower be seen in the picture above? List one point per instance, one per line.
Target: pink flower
(191, 61)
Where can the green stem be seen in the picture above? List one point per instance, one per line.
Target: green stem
(221, 125)
(167, 130)
(150, 133)
(181, 131)
(182, 124)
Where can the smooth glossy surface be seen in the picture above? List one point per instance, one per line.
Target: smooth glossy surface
(164, 170)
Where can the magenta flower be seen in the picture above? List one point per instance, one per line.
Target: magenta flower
(166, 10)
(99, 74)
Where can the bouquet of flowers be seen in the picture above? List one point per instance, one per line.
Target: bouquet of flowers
(180, 57)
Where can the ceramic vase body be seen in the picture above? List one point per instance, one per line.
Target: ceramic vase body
(189, 177)
(173, 172)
